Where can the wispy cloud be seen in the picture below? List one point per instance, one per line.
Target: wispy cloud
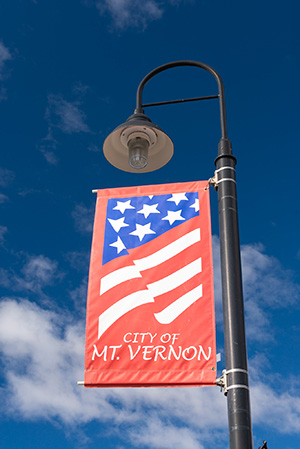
(133, 13)
(6, 177)
(47, 147)
(3, 230)
(36, 273)
(83, 218)
(65, 117)
(79, 260)
(79, 295)
(5, 55)
(3, 198)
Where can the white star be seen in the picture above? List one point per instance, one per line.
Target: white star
(149, 209)
(177, 197)
(118, 224)
(196, 205)
(142, 230)
(173, 216)
(119, 245)
(123, 205)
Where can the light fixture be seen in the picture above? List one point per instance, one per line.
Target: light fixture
(138, 145)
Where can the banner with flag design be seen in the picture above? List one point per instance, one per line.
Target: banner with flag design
(150, 310)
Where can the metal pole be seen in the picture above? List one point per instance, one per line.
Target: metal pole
(238, 399)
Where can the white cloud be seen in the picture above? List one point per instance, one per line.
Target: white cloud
(93, 148)
(3, 198)
(46, 149)
(43, 353)
(6, 177)
(62, 116)
(66, 115)
(5, 56)
(173, 436)
(37, 273)
(39, 269)
(83, 218)
(3, 93)
(265, 283)
(3, 230)
(277, 410)
(133, 13)
(79, 260)
(265, 279)
(79, 295)
(43, 359)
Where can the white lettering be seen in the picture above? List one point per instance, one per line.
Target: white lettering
(174, 338)
(132, 355)
(187, 350)
(146, 349)
(104, 353)
(165, 338)
(171, 350)
(201, 350)
(135, 338)
(152, 336)
(114, 348)
(124, 338)
(158, 352)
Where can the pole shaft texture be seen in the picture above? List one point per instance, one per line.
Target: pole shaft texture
(238, 398)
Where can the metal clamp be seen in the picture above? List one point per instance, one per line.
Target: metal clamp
(215, 181)
(222, 381)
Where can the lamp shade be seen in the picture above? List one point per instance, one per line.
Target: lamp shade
(138, 125)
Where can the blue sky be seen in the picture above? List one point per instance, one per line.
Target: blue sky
(68, 76)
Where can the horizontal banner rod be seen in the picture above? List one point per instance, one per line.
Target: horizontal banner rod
(184, 100)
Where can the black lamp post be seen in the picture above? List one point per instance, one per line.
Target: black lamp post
(141, 146)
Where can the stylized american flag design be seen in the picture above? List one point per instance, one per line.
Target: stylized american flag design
(136, 221)
(150, 284)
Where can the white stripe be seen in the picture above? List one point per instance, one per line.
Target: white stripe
(225, 179)
(238, 386)
(175, 279)
(126, 273)
(236, 370)
(120, 308)
(116, 277)
(225, 168)
(168, 251)
(175, 309)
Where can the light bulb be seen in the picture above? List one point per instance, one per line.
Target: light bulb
(138, 152)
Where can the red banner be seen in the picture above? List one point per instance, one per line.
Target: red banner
(150, 309)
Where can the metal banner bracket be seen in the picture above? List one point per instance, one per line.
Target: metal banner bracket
(216, 179)
(214, 183)
(222, 382)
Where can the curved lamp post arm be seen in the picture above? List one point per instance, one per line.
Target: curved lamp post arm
(171, 65)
